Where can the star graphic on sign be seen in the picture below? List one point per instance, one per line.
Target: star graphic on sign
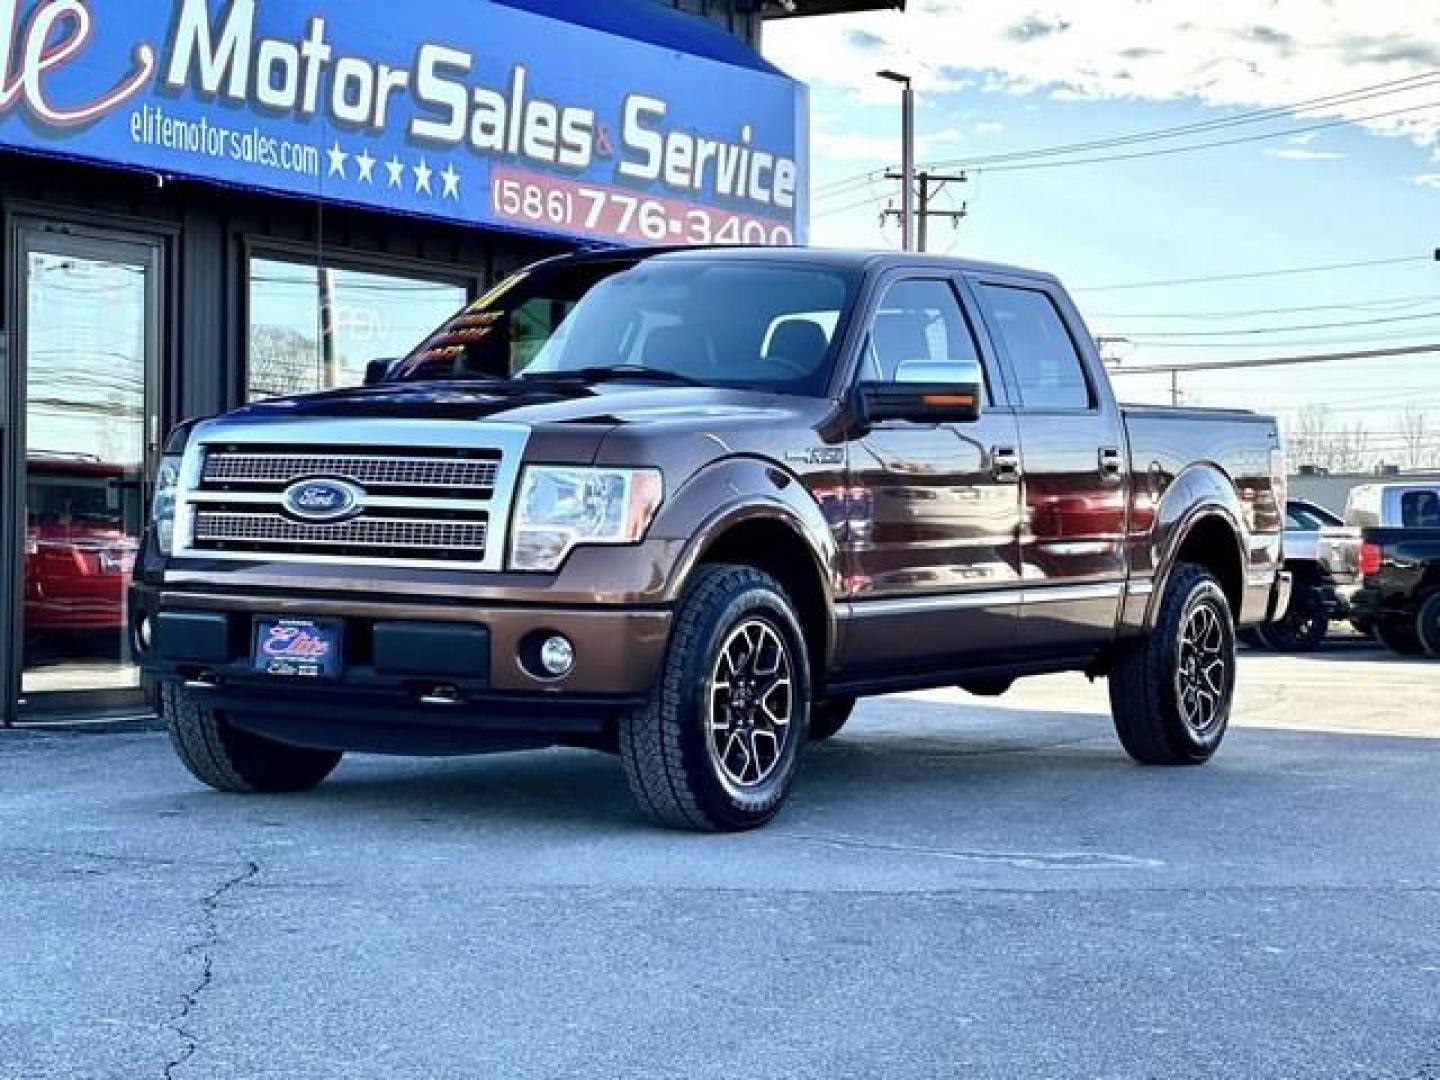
(450, 181)
(337, 160)
(423, 172)
(396, 168)
(367, 166)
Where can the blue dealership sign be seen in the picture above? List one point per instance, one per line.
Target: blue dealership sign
(469, 110)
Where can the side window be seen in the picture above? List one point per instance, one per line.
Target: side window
(920, 334)
(1420, 510)
(1048, 370)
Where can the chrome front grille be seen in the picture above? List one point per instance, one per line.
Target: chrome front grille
(245, 531)
(248, 469)
(431, 493)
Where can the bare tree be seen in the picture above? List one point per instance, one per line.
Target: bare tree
(1416, 442)
(1316, 438)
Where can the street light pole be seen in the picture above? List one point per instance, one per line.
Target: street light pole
(907, 154)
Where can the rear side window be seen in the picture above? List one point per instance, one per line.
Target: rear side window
(1420, 510)
(1047, 367)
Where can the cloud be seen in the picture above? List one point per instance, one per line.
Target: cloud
(1430, 180)
(1297, 153)
(879, 149)
(988, 127)
(1216, 54)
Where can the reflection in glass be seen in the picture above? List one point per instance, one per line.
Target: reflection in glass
(85, 359)
(313, 328)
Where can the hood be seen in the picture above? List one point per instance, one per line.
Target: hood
(608, 404)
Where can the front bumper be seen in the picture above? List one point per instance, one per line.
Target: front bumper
(204, 640)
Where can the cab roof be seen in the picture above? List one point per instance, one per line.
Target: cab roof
(854, 261)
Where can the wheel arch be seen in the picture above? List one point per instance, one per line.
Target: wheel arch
(761, 516)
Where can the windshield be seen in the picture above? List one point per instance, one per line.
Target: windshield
(1309, 517)
(728, 322)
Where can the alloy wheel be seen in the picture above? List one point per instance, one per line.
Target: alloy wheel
(1202, 674)
(751, 704)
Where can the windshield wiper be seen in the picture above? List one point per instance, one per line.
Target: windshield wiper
(615, 372)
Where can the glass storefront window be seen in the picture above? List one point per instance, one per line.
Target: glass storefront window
(313, 328)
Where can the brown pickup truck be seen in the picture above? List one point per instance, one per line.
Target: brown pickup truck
(688, 506)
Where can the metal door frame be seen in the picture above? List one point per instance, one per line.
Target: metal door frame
(26, 230)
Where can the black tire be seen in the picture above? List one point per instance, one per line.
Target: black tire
(988, 686)
(1171, 697)
(1427, 624)
(229, 759)
(677, 779)
(1301, 629)
(829, 716)
(1401, 636)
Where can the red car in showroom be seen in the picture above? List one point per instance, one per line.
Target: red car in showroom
(80, 542)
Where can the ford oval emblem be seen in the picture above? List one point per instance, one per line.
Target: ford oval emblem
(323, 500)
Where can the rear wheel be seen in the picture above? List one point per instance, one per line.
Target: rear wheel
(1301, 629)
(1401, 636)
(718, 745)
(1171, 691)
(229, 759)
(1427, 624)
(829, 716)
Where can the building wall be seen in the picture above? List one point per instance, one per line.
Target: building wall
(737, 16)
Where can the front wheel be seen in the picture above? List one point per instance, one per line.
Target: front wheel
(229, 759)
(1171, 691)
(717, 746)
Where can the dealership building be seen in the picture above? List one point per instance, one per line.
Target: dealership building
(206, 202)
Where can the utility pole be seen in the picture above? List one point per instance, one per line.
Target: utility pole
(907, 150)
(929, 185)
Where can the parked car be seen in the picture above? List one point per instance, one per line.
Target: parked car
(79, 550)
(1314, 601)
(724, 495)
(1386, 564)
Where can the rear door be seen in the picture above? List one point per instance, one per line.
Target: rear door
(932, 557)
(1074, 465)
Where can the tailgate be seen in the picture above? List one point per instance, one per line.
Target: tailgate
(1338, 552)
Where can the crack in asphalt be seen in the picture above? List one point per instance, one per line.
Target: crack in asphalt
(203, 949)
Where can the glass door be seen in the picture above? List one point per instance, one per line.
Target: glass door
(89, 345)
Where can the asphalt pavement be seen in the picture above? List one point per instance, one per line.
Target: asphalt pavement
(960, 887)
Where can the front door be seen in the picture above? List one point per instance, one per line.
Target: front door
(84, 403)
(932, 562)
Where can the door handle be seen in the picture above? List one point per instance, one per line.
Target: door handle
(1110, 462)
(1004, 465)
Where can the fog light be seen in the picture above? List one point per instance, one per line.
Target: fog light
(144, 634)
(557, 655)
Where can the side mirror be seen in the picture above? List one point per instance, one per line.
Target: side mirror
(925, 393)
(376, 371)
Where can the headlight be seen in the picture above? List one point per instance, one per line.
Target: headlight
(562, 508)
(162, 507)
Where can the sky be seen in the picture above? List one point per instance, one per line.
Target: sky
(1352, 178)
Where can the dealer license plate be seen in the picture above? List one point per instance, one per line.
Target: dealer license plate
(300, 648)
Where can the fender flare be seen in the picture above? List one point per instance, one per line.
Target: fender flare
(739, 490)
(1202, 492)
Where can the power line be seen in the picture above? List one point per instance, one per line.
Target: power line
(1023, 166)
(1233, 313)
(1278, 361)
(1256, 330)
(1254, 274)
(1363, 93)
(1412, 82)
